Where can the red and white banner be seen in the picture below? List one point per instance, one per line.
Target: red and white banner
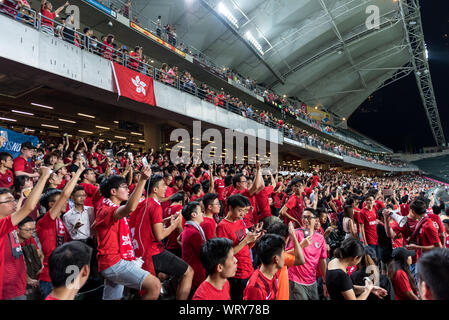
(133, 85)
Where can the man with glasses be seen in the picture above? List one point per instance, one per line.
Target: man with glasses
(212, 208)
(80, 218)
(302, 279)
(13, 279)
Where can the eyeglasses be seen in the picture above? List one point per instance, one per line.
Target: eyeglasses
(28, 230)
(308, 217)
(124, 186)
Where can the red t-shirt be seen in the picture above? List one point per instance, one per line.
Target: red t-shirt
(405, 208)
(447, 240)
(13, 272)
(107, 229)
(20, 164)
(357, 218)
(171, 239)
(369, 221)
(401, 285)
(49, 15)
(295, 207)
(207, 291)
(315, 181)
(50, 297)
(147, 214)
(209, 225)
(436, 222)
(191, 248)
(250, 218)
(219, 186)
(260, 287)
(5, 228)
(276, 199)
(168, 193)
(6, 179)
(51, 234)
(236, 232)
(262, 202)
(378, 205)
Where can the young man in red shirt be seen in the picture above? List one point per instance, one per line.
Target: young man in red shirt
(13, 276)
(148, 232)
(6, 175)
(217, 257)
(240, 183)
(293, 209)
(21, 165)
(88, 178)
(233, 228)
(46, 7)
(264, 282)
(212, 208)
(192, 238)
(73, 256)
(50, 228)
(368, 229)
(175, 208)
(419, 232)
(116, 260)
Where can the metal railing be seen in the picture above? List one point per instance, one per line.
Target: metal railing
(182, 83)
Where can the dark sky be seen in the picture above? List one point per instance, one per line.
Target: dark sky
(397, 112)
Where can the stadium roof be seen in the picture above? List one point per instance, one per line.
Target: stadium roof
(319, 51)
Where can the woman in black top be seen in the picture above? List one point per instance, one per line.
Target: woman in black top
(339, 284)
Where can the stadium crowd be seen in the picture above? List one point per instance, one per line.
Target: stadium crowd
(134, 220)
(137, 60)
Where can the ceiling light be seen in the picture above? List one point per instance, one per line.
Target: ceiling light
(8, 119)
(41, 105)
(49, 126)
(115, 121)
(120, 137)
(228, 15)
(65, 120)
(136, 133)
(23, 112)
(84, 131)
(141, 140)
(86, 115)
(100, 127)
(254, 42)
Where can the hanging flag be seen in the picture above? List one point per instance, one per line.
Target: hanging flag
(133, 85)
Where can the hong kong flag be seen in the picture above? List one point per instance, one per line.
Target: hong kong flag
(133, 85)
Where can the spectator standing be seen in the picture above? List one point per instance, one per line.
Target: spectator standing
(401, 276)
(80, 218)
(46, 7)
(22, 165)
(159, 26)
(6, 166)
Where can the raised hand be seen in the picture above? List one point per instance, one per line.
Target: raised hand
(145, 173)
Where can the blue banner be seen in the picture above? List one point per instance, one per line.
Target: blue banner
(14, 140)
(102, 7)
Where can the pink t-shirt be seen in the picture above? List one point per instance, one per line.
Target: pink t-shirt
(306, 274)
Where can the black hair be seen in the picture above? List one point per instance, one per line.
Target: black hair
(196, 188)
(208, 199)
(85, 171)
(278, 228)
(446, 221)
(348, 211)
(228, 181)
(4, 190)
(237, 200)
(74, 253)
(418, 206)
(155, 169)
(111, 182)
(49, 196)
(401, 264)
(177, 178)
(350, 247)
(236, 179)
(436, 209)
(188, 209)
(432, 269)
(268, 246)
(153, 182)
(25, 220)
(214, 252)
(19, 182)
(178, 196)
(4, 156)
(76, 189)
(313, 211)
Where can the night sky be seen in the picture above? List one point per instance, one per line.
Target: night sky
(397, 112)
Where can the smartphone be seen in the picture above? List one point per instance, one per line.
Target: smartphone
(306, 232)
(145, 161)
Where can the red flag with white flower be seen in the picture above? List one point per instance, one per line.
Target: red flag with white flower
(133, 85)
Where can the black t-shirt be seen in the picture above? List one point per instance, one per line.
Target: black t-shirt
(337, 281)
(385, 244)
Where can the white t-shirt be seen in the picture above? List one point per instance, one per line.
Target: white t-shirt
(86, 217)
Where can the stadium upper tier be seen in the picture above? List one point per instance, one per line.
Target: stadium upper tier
(48, 53)
(179, 44)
